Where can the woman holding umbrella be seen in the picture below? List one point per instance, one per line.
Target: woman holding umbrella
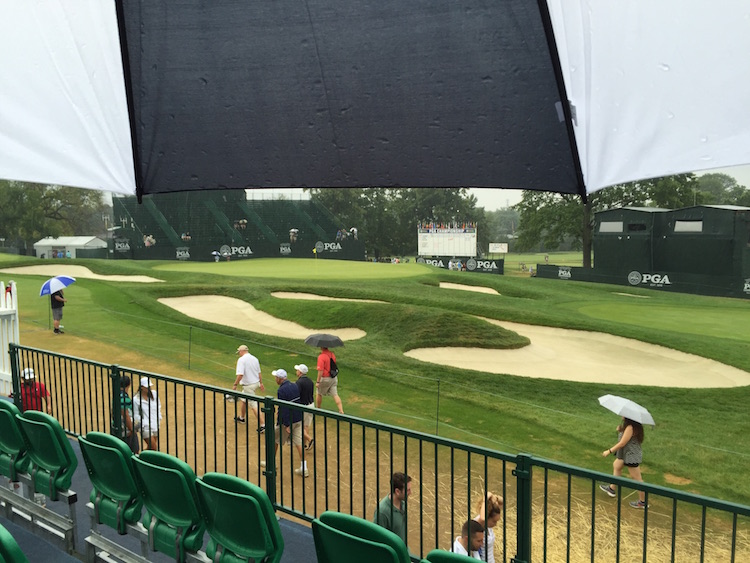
(629, 454)
(629, 439)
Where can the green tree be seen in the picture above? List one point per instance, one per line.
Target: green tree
(722, 189)
(502, 223)
(30, 212)
(550, 219)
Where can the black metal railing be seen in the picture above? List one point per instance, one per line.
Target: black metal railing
(552, 510)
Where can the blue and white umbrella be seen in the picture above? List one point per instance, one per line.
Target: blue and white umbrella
(53, 285)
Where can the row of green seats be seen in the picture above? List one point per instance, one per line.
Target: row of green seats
(180, 507)
(34, 442)
(342, 538)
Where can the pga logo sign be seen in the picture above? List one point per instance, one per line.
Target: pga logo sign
(653, 280)
(481, 265)
(321, 246)
(431, 262)
(226, 250)
(564, 273)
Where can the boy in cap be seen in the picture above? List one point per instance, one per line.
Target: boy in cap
(289, 421)
(33, 392)
(306, 397)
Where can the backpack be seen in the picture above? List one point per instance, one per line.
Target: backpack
(334, 369)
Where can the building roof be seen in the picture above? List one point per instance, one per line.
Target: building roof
(78, 242)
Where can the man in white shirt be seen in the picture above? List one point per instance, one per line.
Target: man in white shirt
(249, 376)
(470, 540)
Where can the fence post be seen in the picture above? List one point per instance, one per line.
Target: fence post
(437, 411)
(522, 472)
(270, 435)
(15, 375)
(114, 377)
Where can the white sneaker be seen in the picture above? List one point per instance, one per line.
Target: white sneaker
(300, 471)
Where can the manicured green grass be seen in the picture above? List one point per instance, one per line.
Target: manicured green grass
(702, 435)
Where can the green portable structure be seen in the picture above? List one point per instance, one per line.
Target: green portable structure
(624, 238)
(710, 240)
(702, 249)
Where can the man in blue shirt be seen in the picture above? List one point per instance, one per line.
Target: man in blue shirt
(288, 420)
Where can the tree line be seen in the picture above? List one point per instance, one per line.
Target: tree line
(386, 218)
(30, 212)
(549, 220)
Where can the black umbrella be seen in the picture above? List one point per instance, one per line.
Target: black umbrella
(321, 340)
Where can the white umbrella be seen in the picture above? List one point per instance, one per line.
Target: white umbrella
(53, 285)
(626, 408)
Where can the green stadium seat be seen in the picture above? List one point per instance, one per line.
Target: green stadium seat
(440, 556)
(172, 518)
(336, 546)
(366, 530)
(13, 456)
(239, 519)
(9, 550)
(52, 459)
(115, 496)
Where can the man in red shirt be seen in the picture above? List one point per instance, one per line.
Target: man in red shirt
(327, 385)
(33, 393)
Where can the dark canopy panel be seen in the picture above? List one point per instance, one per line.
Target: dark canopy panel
(344, 93)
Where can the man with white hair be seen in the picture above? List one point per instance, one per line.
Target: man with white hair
(249, 376)
(288, 420)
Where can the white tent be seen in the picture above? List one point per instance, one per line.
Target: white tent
(66, 247)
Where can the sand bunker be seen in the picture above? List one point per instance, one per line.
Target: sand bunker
(314, 297)
(592, 357)
(236, 313)
(76, 272)
(463, 287)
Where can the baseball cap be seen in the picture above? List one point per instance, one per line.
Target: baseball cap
(242, 347)
(279, 373)
(146, 382)
(28, 373)
(301, 368)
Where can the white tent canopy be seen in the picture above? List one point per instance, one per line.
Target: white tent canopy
(655, 89)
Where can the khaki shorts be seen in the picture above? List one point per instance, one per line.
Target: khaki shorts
(307, 418)
(328, 387)
(282, 437)
(251, 390)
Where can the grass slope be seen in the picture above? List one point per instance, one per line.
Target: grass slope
(701, 442)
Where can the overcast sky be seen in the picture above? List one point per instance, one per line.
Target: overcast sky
(493, 198)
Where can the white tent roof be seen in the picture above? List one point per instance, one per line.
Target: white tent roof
(73, 242)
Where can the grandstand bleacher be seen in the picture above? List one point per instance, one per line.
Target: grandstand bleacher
(195, 225)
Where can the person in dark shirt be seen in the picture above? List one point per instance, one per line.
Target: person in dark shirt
(57, 302)
(288, 420)
(306, 397)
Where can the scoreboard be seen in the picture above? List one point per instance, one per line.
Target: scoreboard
(460, 241)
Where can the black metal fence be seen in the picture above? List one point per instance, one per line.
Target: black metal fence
(552, 511)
